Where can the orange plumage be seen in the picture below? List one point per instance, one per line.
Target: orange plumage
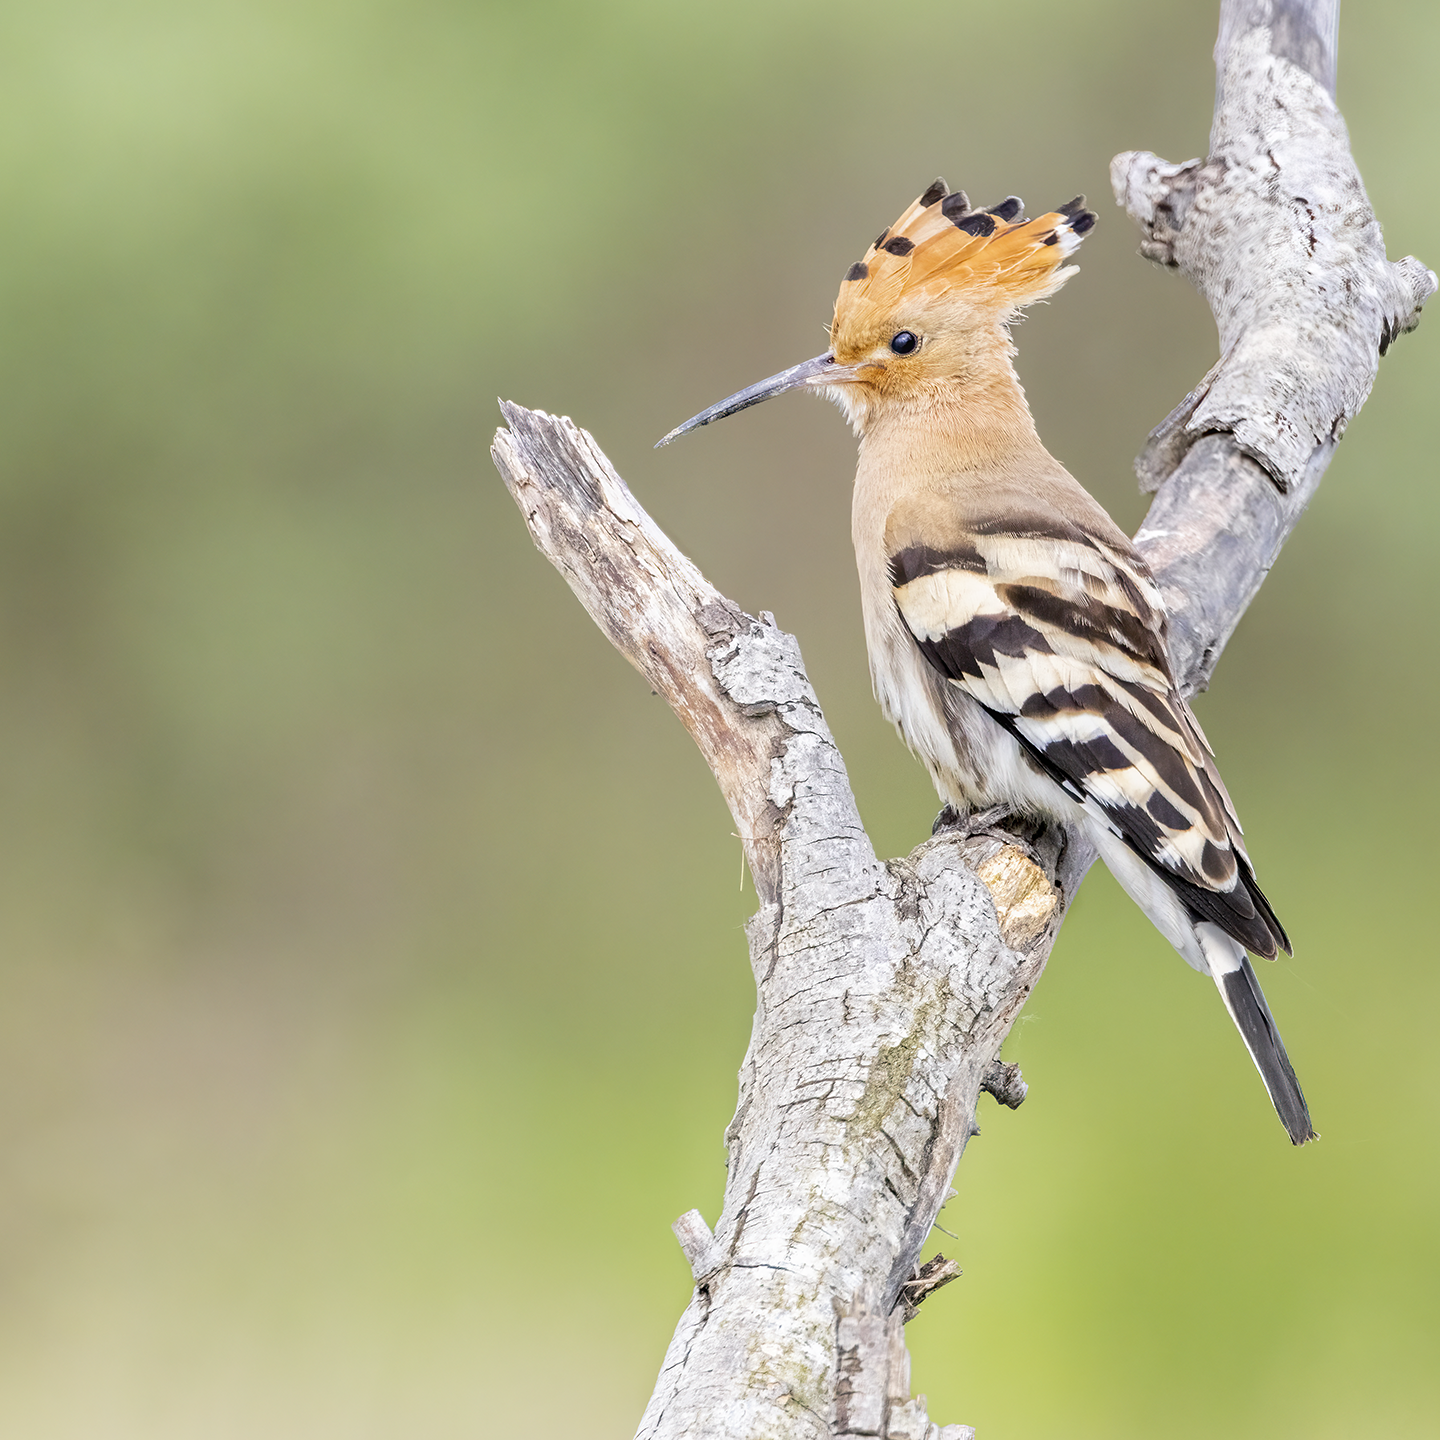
(993, 261)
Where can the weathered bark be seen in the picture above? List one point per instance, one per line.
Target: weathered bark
(885, 989)
(1276, 232)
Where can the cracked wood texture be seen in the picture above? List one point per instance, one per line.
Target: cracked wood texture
(885, 988)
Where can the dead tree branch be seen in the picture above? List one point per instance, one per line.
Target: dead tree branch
(885, 988)
(1276, 232)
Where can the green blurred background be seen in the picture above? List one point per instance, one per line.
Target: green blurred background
(372, 984)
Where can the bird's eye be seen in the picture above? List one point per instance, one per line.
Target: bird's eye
(904, 343)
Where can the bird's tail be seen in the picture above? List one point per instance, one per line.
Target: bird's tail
(1240, 990)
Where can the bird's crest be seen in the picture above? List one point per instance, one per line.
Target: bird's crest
(993, 258)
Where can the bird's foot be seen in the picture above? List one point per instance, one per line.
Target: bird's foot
(998, 822)
(968, 822)
(949, 818)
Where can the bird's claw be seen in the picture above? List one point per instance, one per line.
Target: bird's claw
(971, 824)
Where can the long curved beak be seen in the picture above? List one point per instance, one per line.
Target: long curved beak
(822, 370)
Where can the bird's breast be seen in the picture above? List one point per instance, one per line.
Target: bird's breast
(952, 736)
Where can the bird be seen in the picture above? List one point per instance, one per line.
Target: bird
(1017, 639)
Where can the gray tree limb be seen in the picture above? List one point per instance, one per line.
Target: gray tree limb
(1276, 232)
(885, 988)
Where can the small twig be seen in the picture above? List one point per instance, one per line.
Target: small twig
(698, 1244)
(1004, 1081)
(928, 1278)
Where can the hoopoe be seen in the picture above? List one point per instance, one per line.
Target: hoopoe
(1017, 639)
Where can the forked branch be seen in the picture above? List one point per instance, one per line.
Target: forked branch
(885, 988)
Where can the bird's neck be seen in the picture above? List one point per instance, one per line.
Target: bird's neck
(963, 423)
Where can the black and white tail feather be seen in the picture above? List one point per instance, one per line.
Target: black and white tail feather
(1246, 1003)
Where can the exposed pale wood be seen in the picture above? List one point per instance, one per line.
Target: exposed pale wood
(884, 989)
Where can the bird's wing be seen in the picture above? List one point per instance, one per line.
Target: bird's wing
(1059, 632)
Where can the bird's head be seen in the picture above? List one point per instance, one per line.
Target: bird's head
(926, 308)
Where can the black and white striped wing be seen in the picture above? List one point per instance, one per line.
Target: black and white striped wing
(1060, 635)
